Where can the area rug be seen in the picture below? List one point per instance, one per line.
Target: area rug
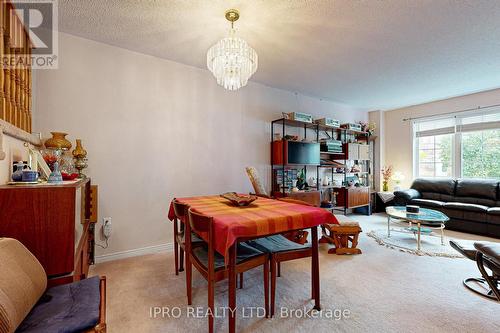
(430, 244)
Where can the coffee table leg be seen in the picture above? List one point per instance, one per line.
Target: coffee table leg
(418, 237)
(388, 226)
(442, 234)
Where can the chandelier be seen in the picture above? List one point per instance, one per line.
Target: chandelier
(231, 60)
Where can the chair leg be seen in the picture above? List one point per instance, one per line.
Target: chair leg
(211, 293)
(181, 262)
(241, 280)
(176, 248)
(189, 279)
(273, 284)
(489, 280)
(176, 257)
(266, 287)
(279, 269)
(313, 289)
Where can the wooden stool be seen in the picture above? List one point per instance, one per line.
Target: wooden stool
(340, 235)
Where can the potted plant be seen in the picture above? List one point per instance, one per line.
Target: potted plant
(386, 176)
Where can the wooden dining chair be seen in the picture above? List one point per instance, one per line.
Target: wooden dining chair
(181, 215)
(211, 265)
(280, 249)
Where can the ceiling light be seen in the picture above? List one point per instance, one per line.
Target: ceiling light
(231, 60)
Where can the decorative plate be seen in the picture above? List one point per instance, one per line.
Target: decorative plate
(239, 199)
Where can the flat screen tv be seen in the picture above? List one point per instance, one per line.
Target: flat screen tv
(303, 153)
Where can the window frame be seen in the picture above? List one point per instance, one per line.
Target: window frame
(456, 143)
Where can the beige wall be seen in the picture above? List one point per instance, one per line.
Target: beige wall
(155, 129)
(397, 134)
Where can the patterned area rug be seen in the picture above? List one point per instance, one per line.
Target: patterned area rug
(430, 244)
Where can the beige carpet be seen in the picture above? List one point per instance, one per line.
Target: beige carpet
(383, 289)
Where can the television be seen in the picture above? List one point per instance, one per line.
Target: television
(303, 152)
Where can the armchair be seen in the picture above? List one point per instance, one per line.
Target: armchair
(486, 255)
(26, 305)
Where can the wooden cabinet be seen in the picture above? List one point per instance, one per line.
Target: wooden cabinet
(356, 151)
(53, 222)
(352, 197)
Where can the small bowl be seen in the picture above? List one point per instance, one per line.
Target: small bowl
(30, 176)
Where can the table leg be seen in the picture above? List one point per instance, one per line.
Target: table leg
(418, 237)
(388, 226)
(315, 268)
(232, 288)
(442, 234)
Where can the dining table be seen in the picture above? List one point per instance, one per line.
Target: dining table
(263, 217)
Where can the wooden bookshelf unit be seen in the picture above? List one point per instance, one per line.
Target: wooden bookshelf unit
(338, 165)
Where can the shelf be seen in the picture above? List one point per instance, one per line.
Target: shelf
(331, 153)
(294, 123)
(356, 132)
(330, 166)
(319, 127)
(292, 166)
(329, 128)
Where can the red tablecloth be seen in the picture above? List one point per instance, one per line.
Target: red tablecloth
(263, 217)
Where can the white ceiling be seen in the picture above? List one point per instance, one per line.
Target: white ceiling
(376, 54)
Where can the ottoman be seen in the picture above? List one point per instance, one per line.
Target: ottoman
(343, 235)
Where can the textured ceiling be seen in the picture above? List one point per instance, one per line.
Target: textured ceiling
(376, 54)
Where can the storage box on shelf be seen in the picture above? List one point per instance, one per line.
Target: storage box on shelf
(322, 147)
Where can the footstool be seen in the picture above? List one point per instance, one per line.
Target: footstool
(343, 235)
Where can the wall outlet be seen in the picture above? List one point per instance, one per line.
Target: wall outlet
(106, 227)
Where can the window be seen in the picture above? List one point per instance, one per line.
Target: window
(434, 155)
(481, 153)
(462, 145)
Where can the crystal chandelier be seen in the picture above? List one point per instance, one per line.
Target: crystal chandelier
(232, 61)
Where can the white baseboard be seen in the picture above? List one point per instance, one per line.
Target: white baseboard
(135, 252)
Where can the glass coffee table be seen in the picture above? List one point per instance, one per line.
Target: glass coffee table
(431, 219)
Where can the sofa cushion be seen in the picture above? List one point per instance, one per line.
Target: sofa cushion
(493, 215)
(435, 185)
(474, 200)
(466, 207)
(22, 282)
(72, 307)
(427, 203)
(477, 188)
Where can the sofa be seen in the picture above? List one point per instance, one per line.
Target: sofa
(473, 205)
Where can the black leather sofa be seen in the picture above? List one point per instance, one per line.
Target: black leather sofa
(473, 205)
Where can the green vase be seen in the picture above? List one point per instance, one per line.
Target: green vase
(385, 187)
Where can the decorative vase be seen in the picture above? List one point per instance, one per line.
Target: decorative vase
(58, 141)
(385, 186)
(79, 151)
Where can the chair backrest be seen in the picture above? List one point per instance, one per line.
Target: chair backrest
(199, 223)
(295, 201)
(256, 181)
(180, 210)
(23, 281)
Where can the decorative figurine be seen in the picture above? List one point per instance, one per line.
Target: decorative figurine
(55, 175)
